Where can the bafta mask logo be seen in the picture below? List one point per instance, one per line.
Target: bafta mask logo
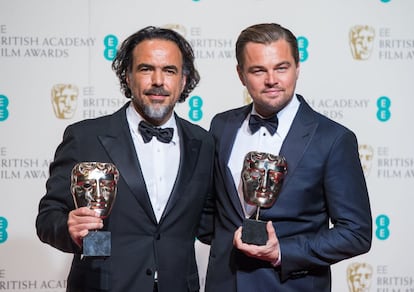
(366, 155)
(177, 28)
(64, 100)
(361, 40)
(359, 276)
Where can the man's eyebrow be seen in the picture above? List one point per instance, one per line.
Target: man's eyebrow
(173, 67)
(145, 65)
(284, 63)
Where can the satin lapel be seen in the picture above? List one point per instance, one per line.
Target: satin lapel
(120, 147)
(189, 156)
(225, 145)
(299, 136)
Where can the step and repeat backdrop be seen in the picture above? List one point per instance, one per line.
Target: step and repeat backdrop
(357, 67)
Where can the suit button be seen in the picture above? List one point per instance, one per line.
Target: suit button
(148, 272)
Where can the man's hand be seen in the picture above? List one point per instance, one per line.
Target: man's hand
(269, 252)
(80, 221)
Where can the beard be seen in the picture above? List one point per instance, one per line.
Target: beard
(153, 111)
(157, 111)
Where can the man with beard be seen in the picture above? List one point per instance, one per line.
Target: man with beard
(165, 169)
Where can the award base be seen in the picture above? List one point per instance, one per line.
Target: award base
(97, 244)
(254, 232)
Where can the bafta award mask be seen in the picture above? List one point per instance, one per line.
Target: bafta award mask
(94, 185)
(262, 177)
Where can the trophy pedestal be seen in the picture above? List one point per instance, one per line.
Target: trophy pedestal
(97, 244)
(254, 232)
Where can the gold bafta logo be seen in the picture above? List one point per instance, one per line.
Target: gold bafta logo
(366, 155)
(361, 40)
(177, 28)
(359, 276)
(64, 100)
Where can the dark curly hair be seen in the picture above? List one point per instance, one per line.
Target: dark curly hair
(122, 63)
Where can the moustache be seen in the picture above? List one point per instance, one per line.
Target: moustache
(157, 91)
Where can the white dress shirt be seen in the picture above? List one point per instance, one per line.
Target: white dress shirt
(159, 161)
(261, 141)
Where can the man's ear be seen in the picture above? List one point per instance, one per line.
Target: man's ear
(297, 70)
(183, 82)
(240, 74)
(127, 78)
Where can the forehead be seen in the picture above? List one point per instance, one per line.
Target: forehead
(157, 50)
(277, 51)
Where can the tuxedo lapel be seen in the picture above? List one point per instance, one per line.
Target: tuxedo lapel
(226, 142)
(120, 147)
(300, 134)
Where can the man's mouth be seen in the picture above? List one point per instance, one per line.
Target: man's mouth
(157, 91)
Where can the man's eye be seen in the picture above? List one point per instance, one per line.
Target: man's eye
(257, 72)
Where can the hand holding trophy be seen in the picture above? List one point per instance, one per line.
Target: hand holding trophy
(262, 177)
(94, 185)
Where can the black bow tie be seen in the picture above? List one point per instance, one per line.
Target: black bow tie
(255, 122)
(148, 131)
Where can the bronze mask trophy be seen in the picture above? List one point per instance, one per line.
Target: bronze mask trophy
(262, 178)
(94, 185)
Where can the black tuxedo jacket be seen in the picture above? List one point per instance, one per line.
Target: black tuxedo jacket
(324, 183)
(140, 245)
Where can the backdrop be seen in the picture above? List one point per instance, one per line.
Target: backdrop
(357, 60)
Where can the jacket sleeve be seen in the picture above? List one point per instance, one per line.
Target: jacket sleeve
(55, 205)
(347, 204)
(206, 226)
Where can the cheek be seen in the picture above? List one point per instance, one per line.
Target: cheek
(290, 81)
(252, 84)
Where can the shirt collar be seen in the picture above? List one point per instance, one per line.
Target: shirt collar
(134, 118)
(285, 115)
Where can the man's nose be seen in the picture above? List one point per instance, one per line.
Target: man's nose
(158, 78)
(271, 78)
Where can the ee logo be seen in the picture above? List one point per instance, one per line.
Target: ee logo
(382, 222)
(4, 112)
(383, 105)
(303, 44)
(195, 103)
(3, 229)
(111, 43)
